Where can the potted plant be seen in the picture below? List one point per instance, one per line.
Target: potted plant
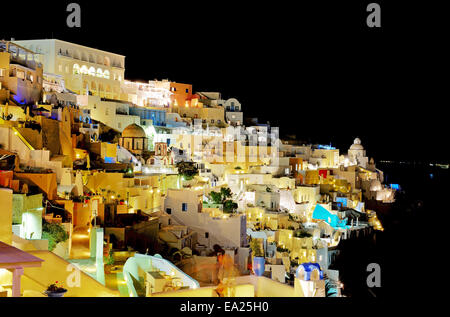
(109, 262)
(258, 257)
(55, 290)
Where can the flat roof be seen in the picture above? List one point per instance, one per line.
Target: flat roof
(80, 45)
(11, 256)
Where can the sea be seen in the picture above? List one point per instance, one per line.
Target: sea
(409, 245)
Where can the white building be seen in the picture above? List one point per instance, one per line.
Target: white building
(83, 68)
(155, 93)
(184, 206)
(357, 153)
(114, 114)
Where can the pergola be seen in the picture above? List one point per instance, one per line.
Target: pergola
(14, 260)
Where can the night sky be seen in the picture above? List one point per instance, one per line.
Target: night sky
(315, 69)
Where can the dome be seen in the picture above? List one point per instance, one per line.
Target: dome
(133, 131)
(356, 145)
(305, 270)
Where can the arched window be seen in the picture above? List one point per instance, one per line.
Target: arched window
(99, 72)
(106, 74)
(91, 71)
(84, 70)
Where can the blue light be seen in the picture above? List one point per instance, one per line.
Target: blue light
(325, 147)
(109, 159)
(320, 213)
(395, 186)
(342, 200)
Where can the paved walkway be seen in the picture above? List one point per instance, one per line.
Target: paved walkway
(80, 243)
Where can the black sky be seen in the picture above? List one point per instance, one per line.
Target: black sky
(313, 68)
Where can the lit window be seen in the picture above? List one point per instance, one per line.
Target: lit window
(91, 71)
(76, 69)
(84, 70)
(2, 72)
(60, 68)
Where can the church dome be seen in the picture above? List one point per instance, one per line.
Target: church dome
(356, 145)
(133, 131)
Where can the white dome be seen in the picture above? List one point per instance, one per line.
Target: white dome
(356, 145)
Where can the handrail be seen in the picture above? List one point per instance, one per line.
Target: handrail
(16, 132)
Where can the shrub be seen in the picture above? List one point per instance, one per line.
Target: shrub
(54, 233)
(256, 248)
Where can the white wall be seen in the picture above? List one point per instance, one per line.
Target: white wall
(229, 232)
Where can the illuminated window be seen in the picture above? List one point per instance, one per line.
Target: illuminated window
(91, 71)
(60, 68)
(84, 70)
(106, 74)
(99, 73)
(76, 69)
(2, 72)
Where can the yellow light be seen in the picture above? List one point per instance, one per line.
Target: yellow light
(158, 191)
(151, 191)
(112, 197)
